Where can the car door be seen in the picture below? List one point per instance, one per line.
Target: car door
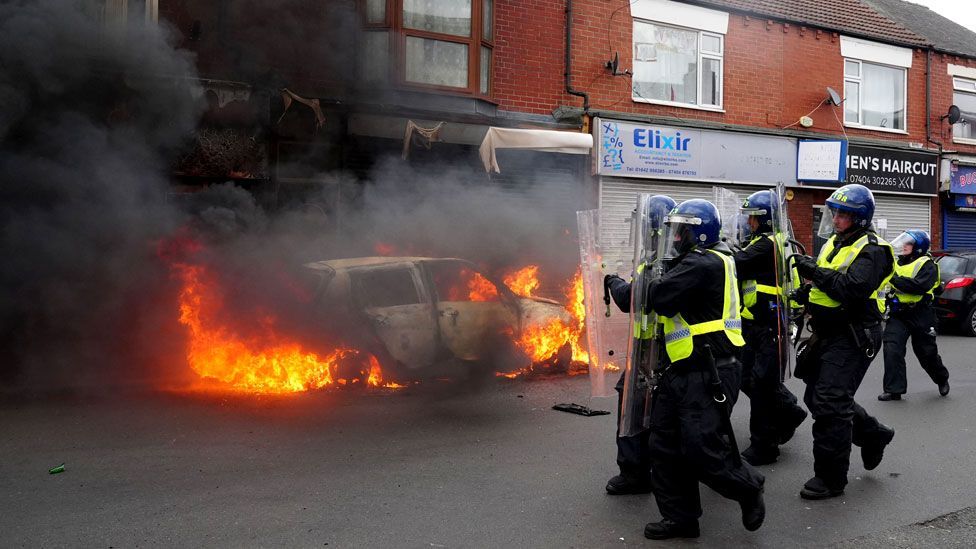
(473, 312)
(400, 311)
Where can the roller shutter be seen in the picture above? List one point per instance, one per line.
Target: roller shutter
(902, 213)
(960, 230)
(618, 197)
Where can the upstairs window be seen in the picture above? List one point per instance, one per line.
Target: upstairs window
(875, 92)
(676, 65)
(874, 95)
(964, 97)
(439, 44)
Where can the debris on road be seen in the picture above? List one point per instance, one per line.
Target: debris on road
(574, 408)
(56, 470)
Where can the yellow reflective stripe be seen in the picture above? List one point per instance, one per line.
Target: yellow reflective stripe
(841, 262)
(767, 289)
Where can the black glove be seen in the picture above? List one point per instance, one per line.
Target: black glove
(802, 294)
(608, 280)
(805, 265)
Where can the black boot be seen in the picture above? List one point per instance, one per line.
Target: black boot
(817, 488)
(667, 529)
(753, 511)
(624, 484)
(760, 455)
(872, 453)
(885, 397)
(944, 388)
(794, 417)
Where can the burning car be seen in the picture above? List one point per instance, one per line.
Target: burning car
(415, 313)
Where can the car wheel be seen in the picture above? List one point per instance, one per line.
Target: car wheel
(969, 322)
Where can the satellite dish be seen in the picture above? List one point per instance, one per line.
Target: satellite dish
(614, 64)
(833, 97)
(953, 115)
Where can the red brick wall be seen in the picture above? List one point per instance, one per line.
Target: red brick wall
(774, 72)
(941, 97)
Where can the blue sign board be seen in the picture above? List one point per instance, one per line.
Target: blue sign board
(821, 160)
(962, 179)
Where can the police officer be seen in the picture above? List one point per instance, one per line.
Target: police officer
(915, 280)
(633, 457)
(774, 414)
(690, 434)
(845, 304)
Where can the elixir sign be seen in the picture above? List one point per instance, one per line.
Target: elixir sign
(667, 152)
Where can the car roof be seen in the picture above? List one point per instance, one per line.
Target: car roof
(340, 264)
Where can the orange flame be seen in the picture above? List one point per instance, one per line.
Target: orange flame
(479, 287)
(265, 364)
(384, 249)
(542, 343)
(523, 281)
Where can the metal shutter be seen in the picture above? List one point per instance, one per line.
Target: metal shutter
(960, 230)
(902, 213)
(618, 196)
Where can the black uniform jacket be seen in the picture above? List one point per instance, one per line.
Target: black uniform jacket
(694, 286)
(758, 262)
(921, 283)
(854, 289)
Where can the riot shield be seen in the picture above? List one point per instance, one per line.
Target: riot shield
(786, 279)
(599, 330)
(645, 343)
(727, 203)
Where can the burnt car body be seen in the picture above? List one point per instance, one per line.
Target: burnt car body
(418, 312)
(956, 305)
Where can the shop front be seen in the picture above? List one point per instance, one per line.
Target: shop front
(904, 183)
(959, 214)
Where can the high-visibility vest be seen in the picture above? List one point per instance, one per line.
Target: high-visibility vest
(679, 335)
(909, 270)
(841, 262)
(750, 287)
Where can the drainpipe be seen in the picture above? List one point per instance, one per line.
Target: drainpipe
(928, 101)
(928, 134)
(569, 63)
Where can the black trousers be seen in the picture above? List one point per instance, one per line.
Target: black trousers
(633, 456)
(773, 406)
(689, 445)
(919, 324)
(838, 421)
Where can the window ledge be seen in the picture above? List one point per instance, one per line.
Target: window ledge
(964, 140)
(874, 129)
(680, 105)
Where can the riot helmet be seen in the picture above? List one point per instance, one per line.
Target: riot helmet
(913, 242)
(693, 223)
(854, 200)
(759, 209)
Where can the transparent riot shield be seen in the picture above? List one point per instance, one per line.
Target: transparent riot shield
(603, 365)
(728, 203)
(643, 350)
(786, 280)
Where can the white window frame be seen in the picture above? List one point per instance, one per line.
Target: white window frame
(859, 80)
(971, 90)
(720, 57)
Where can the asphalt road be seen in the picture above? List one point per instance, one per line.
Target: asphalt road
(444, 465)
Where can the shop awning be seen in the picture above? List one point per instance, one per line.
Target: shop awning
(537, 140)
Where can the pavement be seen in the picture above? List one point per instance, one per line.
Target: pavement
(445, 464)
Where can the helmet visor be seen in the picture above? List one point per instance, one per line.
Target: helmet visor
(827, 229)
(680, 233)
(903, 244)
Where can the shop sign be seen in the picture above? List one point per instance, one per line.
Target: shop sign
(664, 152)
(962, 179)
(888, 170)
